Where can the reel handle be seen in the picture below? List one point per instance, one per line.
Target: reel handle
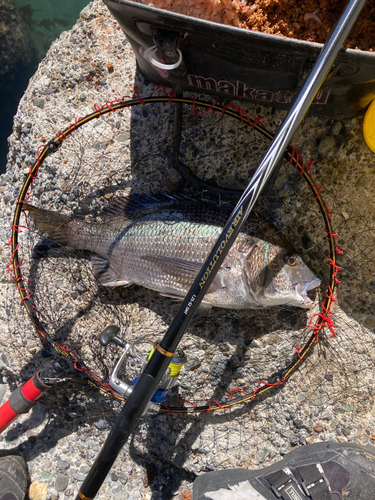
(109, 335)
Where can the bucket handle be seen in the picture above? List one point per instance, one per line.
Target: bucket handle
(151, 51)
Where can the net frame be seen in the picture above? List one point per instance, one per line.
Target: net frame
(316, 323)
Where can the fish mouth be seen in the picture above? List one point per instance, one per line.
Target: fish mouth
(303, 288)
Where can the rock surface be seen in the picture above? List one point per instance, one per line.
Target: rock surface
(329, 398)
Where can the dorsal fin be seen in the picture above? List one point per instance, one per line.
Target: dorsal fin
(135, 203)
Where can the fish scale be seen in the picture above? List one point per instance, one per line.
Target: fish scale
(161, 242)
(190, 242)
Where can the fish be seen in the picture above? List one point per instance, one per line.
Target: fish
(161, 242)
(48, 23)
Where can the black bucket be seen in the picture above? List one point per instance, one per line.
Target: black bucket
(241, 64)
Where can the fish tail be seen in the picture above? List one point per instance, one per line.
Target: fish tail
(52, 224)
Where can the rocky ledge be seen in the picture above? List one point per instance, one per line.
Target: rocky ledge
(329, 398)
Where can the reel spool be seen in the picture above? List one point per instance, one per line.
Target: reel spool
(132, 360)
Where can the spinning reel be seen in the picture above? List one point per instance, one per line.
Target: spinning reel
(132, 362)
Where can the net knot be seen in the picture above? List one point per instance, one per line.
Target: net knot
(141, 101)
(330, 235)
(203, 112)
(317, 190)
(238, 390)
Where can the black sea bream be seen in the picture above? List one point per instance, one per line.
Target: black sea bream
(161, 242)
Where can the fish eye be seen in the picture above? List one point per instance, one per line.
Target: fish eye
(291, 260)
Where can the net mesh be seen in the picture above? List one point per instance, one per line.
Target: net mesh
(229, 352)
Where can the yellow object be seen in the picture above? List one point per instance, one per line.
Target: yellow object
(37, 491)
(369, 126)
(177, 362)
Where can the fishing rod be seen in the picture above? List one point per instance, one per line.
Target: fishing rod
(148, 381)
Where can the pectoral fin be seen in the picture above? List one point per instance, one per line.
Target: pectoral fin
(106, 274)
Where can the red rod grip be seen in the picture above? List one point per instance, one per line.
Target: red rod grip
(7, 416)
(21, 401)
(31, 392)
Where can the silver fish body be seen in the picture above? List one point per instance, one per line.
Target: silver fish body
(161, 243)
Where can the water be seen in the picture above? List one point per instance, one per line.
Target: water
(42, 21)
